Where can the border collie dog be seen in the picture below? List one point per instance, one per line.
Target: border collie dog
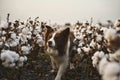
(58, 45)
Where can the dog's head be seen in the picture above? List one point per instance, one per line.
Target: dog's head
(57, 40)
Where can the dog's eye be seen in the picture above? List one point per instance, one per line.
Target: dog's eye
(50, 36)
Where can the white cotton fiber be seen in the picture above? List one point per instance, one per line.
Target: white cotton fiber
(21, 59)
(99, 38)
(117, 23)
(95, 62)
(13, 43)
(25, 49)
(4, 24)
(92, 43)
(98, 55)
(101, 54)
(25, 58)
(112, 71)
(5, 56)
(104, 29)
(102, 64)
(13, 36)
(86, 49)
(79, 50)
(4, 32)
(25, 31)
(110, 34)
(9, 58)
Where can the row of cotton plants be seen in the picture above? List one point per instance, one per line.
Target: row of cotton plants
(18, 39)
(102, 43)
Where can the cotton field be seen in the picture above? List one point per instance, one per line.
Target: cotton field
(97, 48)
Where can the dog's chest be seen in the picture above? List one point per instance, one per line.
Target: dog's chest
(52, 52)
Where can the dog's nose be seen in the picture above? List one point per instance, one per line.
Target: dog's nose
(49, 43)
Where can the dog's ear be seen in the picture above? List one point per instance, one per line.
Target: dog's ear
(62, 40)
(49, 29)
(65, 32)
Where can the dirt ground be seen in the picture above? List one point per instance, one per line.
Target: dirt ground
(39, 69)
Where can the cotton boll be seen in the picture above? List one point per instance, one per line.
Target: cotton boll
(81, 43)
(92, 44)
(29, 37)
(7, 45)
(89, 27)
(78, 36)
(40, 42)
(13, 44)
(89, 31)
(110, 34)
(83, 30)
(101, 54)
(112, 71)
(9, 56)
(21, 26)
(25, 31)
(31, 28)
(97, 26)
(38, 29)
(13, 36)
(95, 62)
(79, 50)
(99, 38)
(98, 46)
(21, 59)
(25, 49)
(102, 65)
(5, 56)
(25, 58)
(86, 49)
(23, 38)
(4, 32)
(117, 23)
(95, 59)
(4, 25)
(14, 55)
(98, 55)
(104, 29)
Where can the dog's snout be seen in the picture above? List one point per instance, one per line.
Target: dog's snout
(50, 43)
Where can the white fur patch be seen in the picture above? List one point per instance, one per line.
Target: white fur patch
(52, 40)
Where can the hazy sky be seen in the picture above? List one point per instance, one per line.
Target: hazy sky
(61, 10)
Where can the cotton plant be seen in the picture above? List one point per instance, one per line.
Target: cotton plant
(108, 65)
(17, 41)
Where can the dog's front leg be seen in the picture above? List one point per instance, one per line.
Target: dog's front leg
(53, 64)
(61, 70)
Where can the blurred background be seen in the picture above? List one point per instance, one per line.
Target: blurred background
(61, 11)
